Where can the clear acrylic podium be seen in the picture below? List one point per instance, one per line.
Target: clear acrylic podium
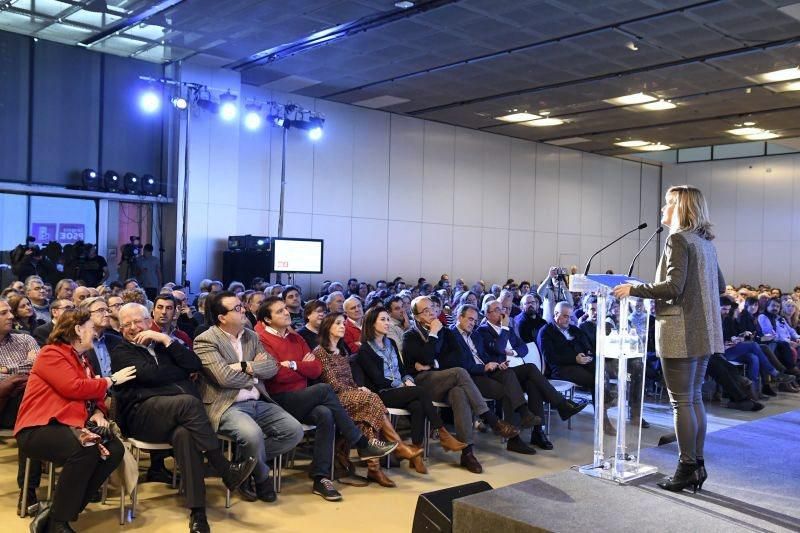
(621, 357)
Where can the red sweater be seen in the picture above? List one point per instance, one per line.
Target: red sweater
(290, 348)
(58, 388)
(352, 335)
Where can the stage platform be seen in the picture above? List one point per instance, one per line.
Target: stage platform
(753, 485)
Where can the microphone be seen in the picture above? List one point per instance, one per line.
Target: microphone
(589, 262)
(635, 257)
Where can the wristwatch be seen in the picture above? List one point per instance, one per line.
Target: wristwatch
(293, 365)
(113, 380)
(244, 367)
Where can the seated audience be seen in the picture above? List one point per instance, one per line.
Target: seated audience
(425, 345)
(363, 406)
(164, 405)
(235, 366)
(355, 313)
(315, 404)
(24, 317)
(18, 351)
(37, 294)
(398, 323)
(385, 374)
(102, 344)
(294, 303)
(314, 312)
(506, 300)
(62, 419)
(528, 323)
(65, 289)
(164, 319)
(782, 338)
(57, 308)
(497, 345)
(335, 301)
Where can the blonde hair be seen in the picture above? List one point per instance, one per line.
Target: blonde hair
(691, 210)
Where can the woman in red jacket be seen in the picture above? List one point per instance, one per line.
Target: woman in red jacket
(62, 400)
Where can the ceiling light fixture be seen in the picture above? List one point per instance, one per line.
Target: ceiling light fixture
(550, 121)
(658, 147)
(748, 123)
(630, 45)
(630, 99)
(762, 136)
(633, 144)
(780, 75)
(659, 106)
(745, 131)
(404, 5)
(518, 117)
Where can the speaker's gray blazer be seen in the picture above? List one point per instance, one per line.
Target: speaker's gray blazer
(687, 289)
(220, 383)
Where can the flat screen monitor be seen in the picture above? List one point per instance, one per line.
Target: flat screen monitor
(302, 256)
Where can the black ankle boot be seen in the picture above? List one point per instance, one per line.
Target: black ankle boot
(701, 472)
(686, 475)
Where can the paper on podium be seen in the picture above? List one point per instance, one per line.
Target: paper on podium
(598, 282)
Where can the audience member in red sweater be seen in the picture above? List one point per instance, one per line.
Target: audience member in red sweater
(315, 405)
(354, 311)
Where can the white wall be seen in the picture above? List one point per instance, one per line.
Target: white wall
(397, 196)
(755, 207)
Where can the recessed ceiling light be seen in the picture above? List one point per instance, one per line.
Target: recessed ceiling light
(544, 113)
(629, 99)
(762, 136)
(655, 147)
(632, 144)
(568, 141)
(745, 131)
(748, 123)
(404, 5)
(785, 87)
(659, 106)
(779, 75)
(518, 117)
(630, 45)
(544, 122)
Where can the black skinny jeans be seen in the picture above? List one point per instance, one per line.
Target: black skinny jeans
(416, 401)
(83, 472)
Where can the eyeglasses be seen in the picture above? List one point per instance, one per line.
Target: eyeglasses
(238, 308)
(103, 311)
(115, 306)
(425, 310)
(65, 308)
(137, 323)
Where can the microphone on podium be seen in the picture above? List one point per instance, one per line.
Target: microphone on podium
(635, 257)
(589, 262)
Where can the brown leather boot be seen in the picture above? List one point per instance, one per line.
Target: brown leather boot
(374, 473)
(403, 451)
(449, 442)
(418, 462)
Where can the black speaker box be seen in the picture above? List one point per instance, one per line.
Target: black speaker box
(434, 513)
(244, 266)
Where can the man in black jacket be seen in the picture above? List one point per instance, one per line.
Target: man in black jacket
(163, 405)
(528, 323)
(425, 347)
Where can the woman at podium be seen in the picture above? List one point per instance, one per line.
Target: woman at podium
(688, 323)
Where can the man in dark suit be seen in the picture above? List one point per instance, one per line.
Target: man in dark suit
(163, 405)
(100, 354)
(502, 345)
(57, 307)
(528, 323)
(427, 347)
(567, 349)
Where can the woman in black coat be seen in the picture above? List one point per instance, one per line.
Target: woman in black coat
(385, 375)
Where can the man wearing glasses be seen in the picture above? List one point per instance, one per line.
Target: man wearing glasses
(100, 354)
(235, 366)
(37, 294)
(57, 308)
(114, 305)
(163, 405)
(426, 344)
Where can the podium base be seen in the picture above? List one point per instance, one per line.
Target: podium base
(622, 473)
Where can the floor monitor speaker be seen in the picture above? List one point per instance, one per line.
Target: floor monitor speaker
(434, 513)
